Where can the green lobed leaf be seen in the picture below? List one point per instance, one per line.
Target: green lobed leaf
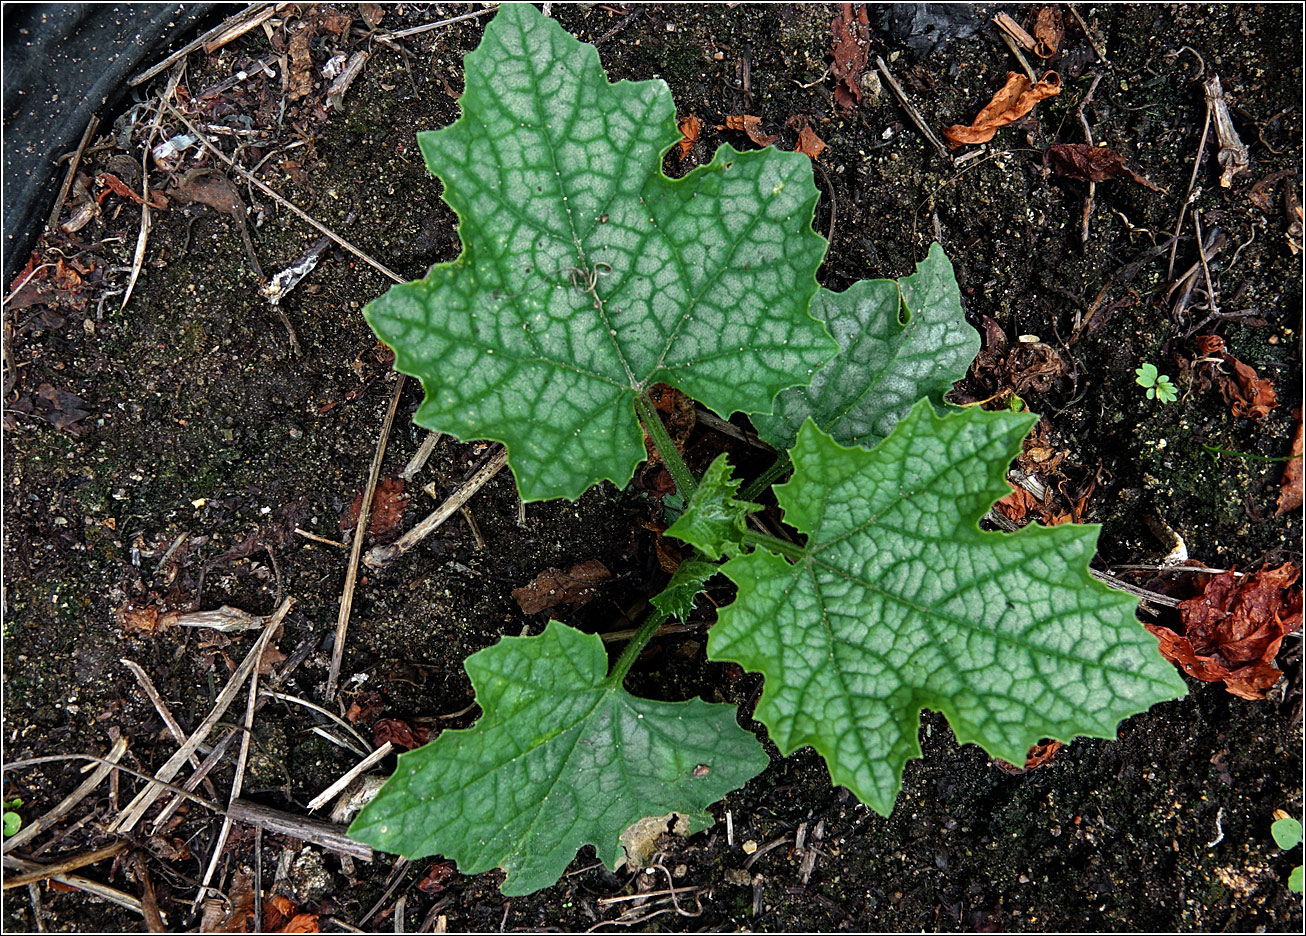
(714, 519)
(559, 759)
(587, 275)
(677, 599)
(903, 603)
(899, 340)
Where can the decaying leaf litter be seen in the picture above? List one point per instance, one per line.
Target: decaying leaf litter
(872, 184)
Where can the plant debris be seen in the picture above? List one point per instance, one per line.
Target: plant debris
(809, 144)
(1038, 755)
(689, 127)
(1246, 393)
(389, 505)
(1048, 31)
(59, 408)
(848, 54)
(1232, 631)
(1013, 101)
(552, 587)
(399, 733)
(437, 877)
(1003, 368)
(114, 184)
(1290, 488)
(1089, 163)
(750, 125)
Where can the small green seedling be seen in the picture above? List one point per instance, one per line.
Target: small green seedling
(586, 278)
(1158, 385)
(1287, 835)
(12, 821)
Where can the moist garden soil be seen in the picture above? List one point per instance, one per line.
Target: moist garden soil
(193, 424)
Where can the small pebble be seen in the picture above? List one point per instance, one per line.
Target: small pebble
(749, 847)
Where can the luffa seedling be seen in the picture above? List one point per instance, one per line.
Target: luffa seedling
(585, 277)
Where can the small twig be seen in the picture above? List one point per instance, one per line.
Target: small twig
(67, 864)
(910, 108)
(87, 135)
(165, 713)
(320, 539)
(415, 30)
(1188, 196)
(1219, 829)
(396, 875)
(211, 761)
(328, 835)
(290, 206)
(356, 550)
(769, 846)
(1206, 269)
(238, 781)
(348, 776)
(127, 820)
(283, 697)
(381, 556)
(1088, 138)
(1097, 49)
(420, 457)
(1020, 56)
(34, 828)
(95, 888)
(253, 10)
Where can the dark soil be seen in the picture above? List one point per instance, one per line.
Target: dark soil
(199, 422)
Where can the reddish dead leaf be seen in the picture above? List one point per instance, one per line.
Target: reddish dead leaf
(1089, 163)
(1019, 504)
(554, 587)
(1232, 631)
(114, 184)
(750, 125)
(301, 923)
(1246, 393)
(689, 127)
(373, 13)
(809, 144)
(1048, 30)
(59, 886)
(277, 911)
(144, 620)
(1290, 488)
(389, 505)
(269, 660)
(399, 733)
(1013, 101)
(851, 35)
(365, 707)
(1037, 756)
(438, 878)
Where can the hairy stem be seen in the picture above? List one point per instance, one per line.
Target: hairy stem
(758, 485)
(774, 544)
(632, 651)
(680, 472)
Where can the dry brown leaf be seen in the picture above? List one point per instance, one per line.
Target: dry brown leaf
(850, 46)
(389, 505)
(1290, 488)
(1048, 30)
(809, 144)
(301, 923)
(1038, 755)
(437, 878)
(234, 914)
(365, 707)
(373, 13)
(1246, 393)
(1232, 631)
(277, 909)
(553, 587)
(113, 184)
(750, 125)
(1020, 503)
(1013, 101)
(1089, 163)
(59, 408)
(689, 127)
(399, 733)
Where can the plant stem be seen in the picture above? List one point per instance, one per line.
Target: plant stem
(1213, 450)
(758, 485)
(632, 651)
(775, 544)
(680, 472)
